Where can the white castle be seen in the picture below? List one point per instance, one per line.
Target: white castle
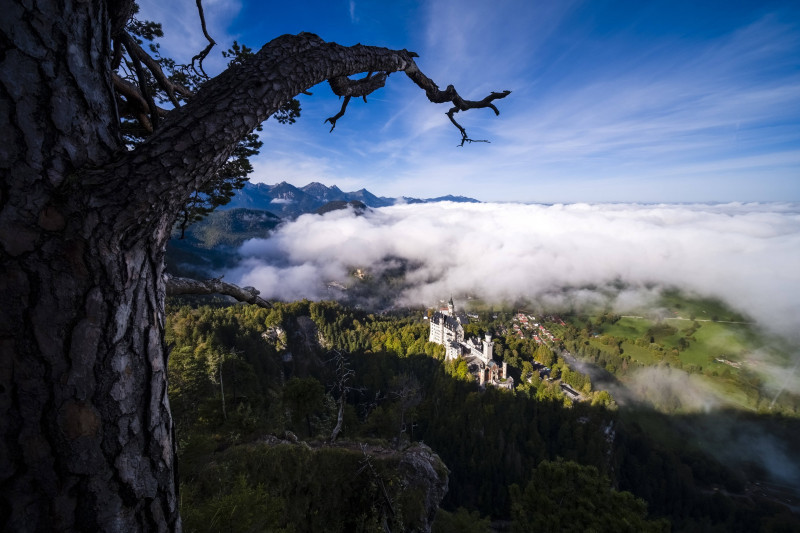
(447, 329)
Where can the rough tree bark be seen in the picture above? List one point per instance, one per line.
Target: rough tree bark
(86, 436)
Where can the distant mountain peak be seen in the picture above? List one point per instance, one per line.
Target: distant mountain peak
(294, 201)
(358, 207)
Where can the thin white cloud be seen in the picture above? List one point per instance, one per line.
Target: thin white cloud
(352, 11)
(277, 167)
(474, 40)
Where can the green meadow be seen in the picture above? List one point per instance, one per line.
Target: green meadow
(697, 335)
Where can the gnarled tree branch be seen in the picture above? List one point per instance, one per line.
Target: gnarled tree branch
(450, 94)
(136, 104)
(340, 114)
(344, 86)
(131, 45)
(152, 65)
(178, 285)
(196, 139)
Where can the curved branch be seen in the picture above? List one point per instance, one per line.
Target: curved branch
(450, 94)
(196, 139)
(211, 42)
(177, 286)
(344, 86)
(338, 115)
(135, 102)
(152, 65)
(142, 77)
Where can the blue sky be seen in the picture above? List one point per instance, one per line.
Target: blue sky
(612, 101)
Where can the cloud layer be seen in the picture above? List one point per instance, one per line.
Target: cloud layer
(745, 254)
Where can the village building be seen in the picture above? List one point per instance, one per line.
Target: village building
(447, 329)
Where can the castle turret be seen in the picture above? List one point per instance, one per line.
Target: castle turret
(451, 308)
(488, 348)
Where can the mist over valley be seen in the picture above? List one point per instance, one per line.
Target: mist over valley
(644, 262)
(559, 256)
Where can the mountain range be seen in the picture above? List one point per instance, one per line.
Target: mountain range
(287, 201)
(210, 245)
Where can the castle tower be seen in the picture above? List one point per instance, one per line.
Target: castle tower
(451, 308)
(488, 348)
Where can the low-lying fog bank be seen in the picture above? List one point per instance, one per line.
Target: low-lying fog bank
(747, 255)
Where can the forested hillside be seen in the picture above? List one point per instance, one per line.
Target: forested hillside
(210, 245)
(249, 386)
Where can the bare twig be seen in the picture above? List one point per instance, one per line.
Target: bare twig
(463, 105)
(211, 42)
(338, 115)
(450, 94)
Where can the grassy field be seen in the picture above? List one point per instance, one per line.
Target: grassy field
(711, 340)
(717, 340)
(717, 344)
(639, 354)
(628, 328)
(698, 308)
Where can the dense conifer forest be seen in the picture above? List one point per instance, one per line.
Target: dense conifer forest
(257, 395)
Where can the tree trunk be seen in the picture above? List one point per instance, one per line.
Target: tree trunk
(85, 430)
(222, 391)
(86, 435)
(339, 420)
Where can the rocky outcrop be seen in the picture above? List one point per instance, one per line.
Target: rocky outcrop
(398, 490)
(275, 335)
(424, 474)
(308, 336)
